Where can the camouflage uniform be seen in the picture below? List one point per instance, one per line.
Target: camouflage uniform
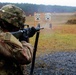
(9, 52)
(13, 15)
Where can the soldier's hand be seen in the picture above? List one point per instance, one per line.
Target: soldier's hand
(32, 31)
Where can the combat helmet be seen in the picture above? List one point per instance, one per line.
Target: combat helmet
(13, 15)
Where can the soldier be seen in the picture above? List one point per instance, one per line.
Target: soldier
(12, 18)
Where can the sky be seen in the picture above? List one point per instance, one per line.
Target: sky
(45, 2)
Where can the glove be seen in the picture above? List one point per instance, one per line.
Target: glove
(32, 32)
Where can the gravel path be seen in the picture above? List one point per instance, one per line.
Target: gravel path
(59, 63)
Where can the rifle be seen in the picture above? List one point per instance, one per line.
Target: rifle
(25, 34)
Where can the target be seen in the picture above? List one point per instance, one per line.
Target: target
(37, 17)
(47, 16)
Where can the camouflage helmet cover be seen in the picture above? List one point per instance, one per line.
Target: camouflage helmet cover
(13, 14)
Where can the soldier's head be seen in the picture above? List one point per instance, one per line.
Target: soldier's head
(14, 15)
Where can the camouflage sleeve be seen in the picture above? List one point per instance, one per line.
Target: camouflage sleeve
(24, 55)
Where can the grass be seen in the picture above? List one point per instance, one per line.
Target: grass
(30, 20)
(63, 39)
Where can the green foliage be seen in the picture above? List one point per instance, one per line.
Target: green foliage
(72, 21)
(31, 8)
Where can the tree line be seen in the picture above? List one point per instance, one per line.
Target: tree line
(31, 8)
